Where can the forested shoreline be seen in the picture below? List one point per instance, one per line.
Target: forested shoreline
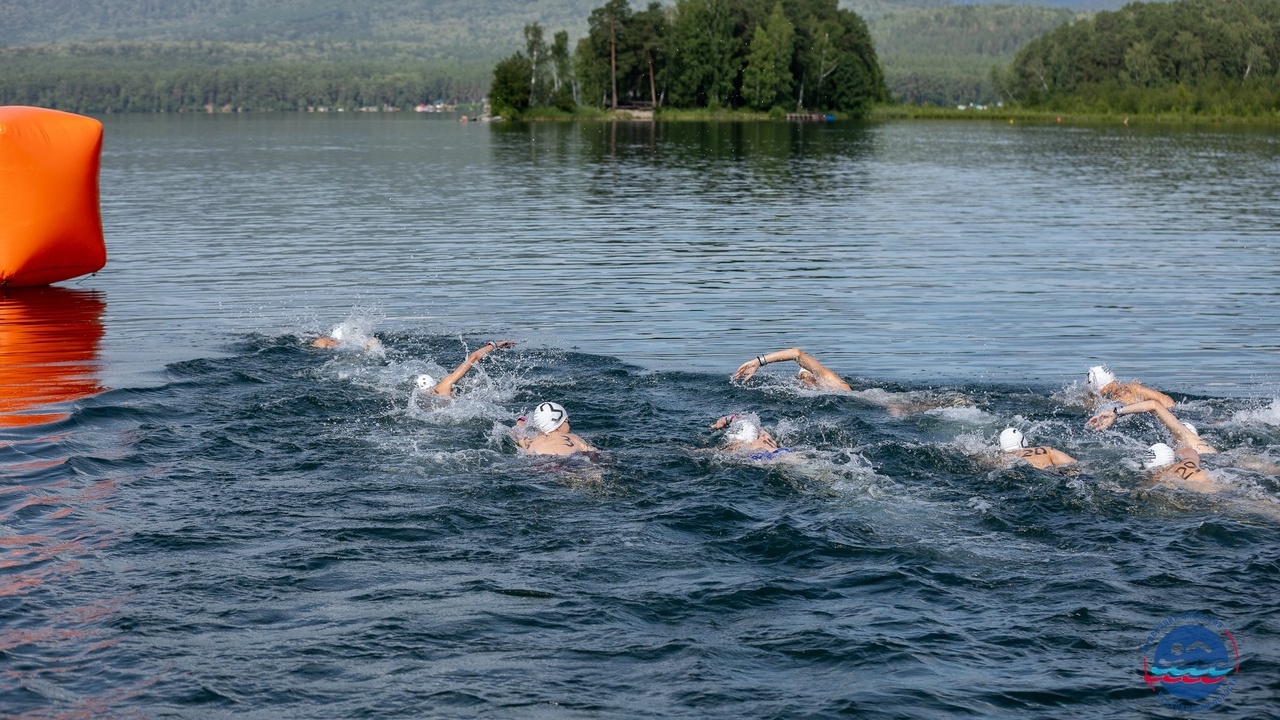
(1190, 57)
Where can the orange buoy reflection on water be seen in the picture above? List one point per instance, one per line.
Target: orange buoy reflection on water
(48, 352)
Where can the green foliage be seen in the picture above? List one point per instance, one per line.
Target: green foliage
(731, 54)
(767, 79)
(509, 94)
(1190, 57)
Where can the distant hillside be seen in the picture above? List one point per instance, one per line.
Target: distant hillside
(466, 28)
(871, 9)
(945, 55)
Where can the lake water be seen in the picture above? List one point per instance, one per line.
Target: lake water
(203, 516)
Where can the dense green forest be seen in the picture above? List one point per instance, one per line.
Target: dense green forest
(760, 54)
(945, 56)
(1216, 57)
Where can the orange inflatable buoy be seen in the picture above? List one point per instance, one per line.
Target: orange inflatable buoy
(50, 225)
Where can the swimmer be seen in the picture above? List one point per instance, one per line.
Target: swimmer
(444, 387)
(338, 337)
(554, 436)
(812, 373)
(1102, 382)
(746, 437)
(815, 376)
(1041, 457)
(1184, 433)
(1180, 468)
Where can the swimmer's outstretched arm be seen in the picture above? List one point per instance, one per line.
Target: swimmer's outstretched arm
(445, 386)
(1184, 435)
(825, 377)
(1107, 418)
(1133, 392)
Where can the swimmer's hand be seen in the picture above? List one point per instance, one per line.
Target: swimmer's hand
(1102, 420)
(722, 423)
(746, 370)
(489, 347)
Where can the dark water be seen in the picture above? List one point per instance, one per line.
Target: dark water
(203, 516)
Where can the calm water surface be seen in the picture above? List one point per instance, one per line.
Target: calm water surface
(202, 516)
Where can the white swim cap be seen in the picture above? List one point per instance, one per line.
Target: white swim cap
(1100, 377)
(1011, 440)
(1161, 455)
(1191, 427)
(548, 416)
(425, 382)
(743, 430)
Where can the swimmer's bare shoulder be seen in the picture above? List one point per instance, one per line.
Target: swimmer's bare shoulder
(1044, 457)
(557, 444)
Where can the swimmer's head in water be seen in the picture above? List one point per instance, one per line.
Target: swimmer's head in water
(548, 416)
(1011, 440)
(424, 382)
(1191, 427)
(1158, 456)
(339, 333)
(743, 430)
(807, 378)
(1100, 377)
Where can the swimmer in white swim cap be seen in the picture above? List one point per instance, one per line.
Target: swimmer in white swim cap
(338, 337)
(444, 387)
(1012, 440)
(554, 436)
(1179, 468)
(1103, 383)
(742, 430)
(1159, 455)
(549, 416)
(1100, 377)
(744, 436)
(1042, 457)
